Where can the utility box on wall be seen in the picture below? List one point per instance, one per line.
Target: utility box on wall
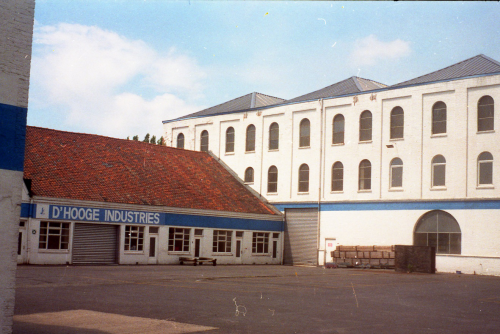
(415, 259)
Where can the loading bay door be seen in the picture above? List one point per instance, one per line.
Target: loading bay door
(301, 236)
(95, 244)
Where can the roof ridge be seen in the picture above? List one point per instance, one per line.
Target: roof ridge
(490, 59)
(356, 82)
(274, 97)
(379, 83)
(236, 98)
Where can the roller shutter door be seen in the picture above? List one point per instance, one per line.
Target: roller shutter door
(301, 236)
(95, 244)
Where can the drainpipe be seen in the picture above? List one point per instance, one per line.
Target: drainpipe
(320, 177)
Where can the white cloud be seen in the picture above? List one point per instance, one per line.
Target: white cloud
(369, 50)
(99, 78)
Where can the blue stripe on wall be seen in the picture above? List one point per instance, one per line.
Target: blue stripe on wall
(377, 206)
(26, 210)
(223, 222)
(12, 136)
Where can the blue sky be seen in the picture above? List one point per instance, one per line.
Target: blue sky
(118, 68)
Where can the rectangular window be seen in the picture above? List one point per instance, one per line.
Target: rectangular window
(260, 243)
(53, 235)
(178, 239)
(153, 229)
(198, 232)
(134, 238)
(239, 234)
(222, 241)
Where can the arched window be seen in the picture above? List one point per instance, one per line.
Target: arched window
(396, 173)
(397, 123)
(250, 141)
(338, 129)
(365, 175)
(249, 175)
(230, 140)
(485, 114)
(337, 176)
(204, 141)
(438, 171)
(180, 140)
(438, 118)
(274, 136)
(304, 178)
(438, 229)
(365, 126)
(272, 180)
(305, 133)
(485, 168)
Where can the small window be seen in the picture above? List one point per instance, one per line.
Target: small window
(204, 141)
(153, 229)
(365, 175)
(274, 136)
(180, 140)
(338, 129)
(396, 173)
(485, 168)
(134, 238)
(485, 114)
(250, 140)
(438, 118)
(21, 223)
(365, 126)
(304, 178)
(272, 179)
(239, 234)
(222, 241)
(249, 175)
(276, 235)
(397, 123)
(53, 235)
(439, 229)
(230, 140)
(438, 171)
(305, 133)
(338, 176)
(260, 243)
(198, 232)
(178, 239)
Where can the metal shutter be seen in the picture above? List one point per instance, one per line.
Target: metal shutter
(301, 236)
(95, 244)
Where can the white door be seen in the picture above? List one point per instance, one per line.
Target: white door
(153, 250)
(330, 245)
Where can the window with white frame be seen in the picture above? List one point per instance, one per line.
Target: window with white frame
(272, 179)
(338, 129)
(304, 178)
(396, 172)
(53, 235)
(134, 238)
(438, 171)
(338, 176)
(260, 243)
(250, 140)
(230, 140)
(485, 114)
(249, 175)
(178, 239)
(438, 229)
(397, 123)
(222, 241)
(485, 168)
(274, 136)
(204, 141)
(438, 118)
(180, 140)
(305, 133)
(365, 175)
(365, 126)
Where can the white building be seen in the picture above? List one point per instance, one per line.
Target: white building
(97, 200)
(361, 163)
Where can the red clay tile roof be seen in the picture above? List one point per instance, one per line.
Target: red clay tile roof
(96, 168)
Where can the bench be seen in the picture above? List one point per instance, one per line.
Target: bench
(183, 260)
(202, 260)
(196, 261)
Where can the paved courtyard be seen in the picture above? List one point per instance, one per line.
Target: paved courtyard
(250, 299)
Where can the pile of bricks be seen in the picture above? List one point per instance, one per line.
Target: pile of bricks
(364, 256)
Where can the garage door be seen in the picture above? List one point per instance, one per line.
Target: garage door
(301, 236)
(95, 244)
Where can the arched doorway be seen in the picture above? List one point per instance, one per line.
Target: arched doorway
(438, 229)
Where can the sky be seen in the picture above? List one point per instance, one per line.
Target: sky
(119, 68)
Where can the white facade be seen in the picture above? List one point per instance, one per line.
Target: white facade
(380, 215)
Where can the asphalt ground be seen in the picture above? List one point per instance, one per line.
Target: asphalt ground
(251, 299)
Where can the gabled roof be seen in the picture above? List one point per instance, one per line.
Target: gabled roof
(245, 102)
(477, 65)
(95, 168)
(351, 85)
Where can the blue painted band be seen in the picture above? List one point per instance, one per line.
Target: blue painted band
(377, 206)
(12, 136)
(26, 210)
(61, 212)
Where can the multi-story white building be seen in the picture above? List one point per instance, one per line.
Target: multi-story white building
(361, 163)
